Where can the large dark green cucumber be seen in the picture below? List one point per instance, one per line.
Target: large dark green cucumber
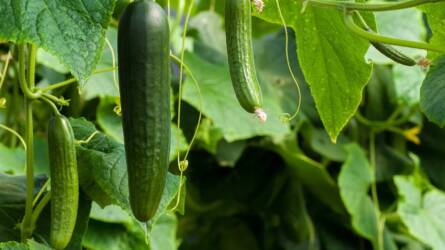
(64, 180)
(238, 20)
(144, 78)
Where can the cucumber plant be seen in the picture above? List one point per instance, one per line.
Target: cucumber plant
(278, 170)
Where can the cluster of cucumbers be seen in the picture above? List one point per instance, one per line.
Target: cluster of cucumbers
(144, 79)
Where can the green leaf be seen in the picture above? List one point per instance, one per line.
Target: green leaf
(312, 174)
(354, 181)
(210, 31)
(29, 245)
(109, 236)
(431, 153)
(104, 161)
(208, 136)
(432, 93)
(102, 84)
(71, 30)
(407, 81)
(435, 14)
(50, 61)
(163, 234)
(228, 153)
(320, 143)
(110, 214)
(12, 204)
(334, 68)
(13, 159)
(422, 211)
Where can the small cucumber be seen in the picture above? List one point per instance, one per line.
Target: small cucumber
(240, 56)
(394, 54)
(64, 181)
(144, 78)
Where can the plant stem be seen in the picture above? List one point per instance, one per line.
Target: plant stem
(5, 68)
(374, 193)
(384, 6)
(195, 134)
(27, 219)
(12, 131)
(374, 37)
(181, 69)
(73, 80)
(26, 89)
(39, 208)
(51, 105)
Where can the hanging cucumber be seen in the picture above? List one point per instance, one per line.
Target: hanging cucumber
(240, 56)
(394, 54)
(144, 78)
(64, 181)
(385, 49)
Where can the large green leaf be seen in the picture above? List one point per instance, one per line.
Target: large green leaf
(422, 211)
(71, 30)
(435, 14)
(28, 245)
(131, 234)
(354, 181)
(431, 152)
(331, 57)
(432, 92)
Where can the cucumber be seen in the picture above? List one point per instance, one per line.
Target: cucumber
(144, 78)
(64, 181)
(394, 54)
(240, 56)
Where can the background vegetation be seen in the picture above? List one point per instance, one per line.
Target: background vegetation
(278, 185)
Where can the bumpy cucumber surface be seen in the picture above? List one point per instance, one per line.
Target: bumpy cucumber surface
(240, 56)
(144, 78)
(394, 54)
(64, 181)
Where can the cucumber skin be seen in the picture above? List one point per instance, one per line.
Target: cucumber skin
(393, 54)
(64, 181)
(144, 76)
(240, 54)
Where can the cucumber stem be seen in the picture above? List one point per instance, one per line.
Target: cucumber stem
(374, 37)
(370, 6)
